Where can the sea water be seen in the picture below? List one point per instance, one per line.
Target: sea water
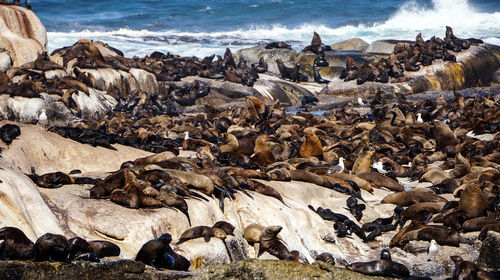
(202, 28)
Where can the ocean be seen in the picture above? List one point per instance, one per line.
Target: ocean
(201, 28)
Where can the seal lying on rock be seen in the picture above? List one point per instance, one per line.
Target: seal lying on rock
(51, 247)
(16, 245)
(157, 253)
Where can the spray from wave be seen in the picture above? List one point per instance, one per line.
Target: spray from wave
(405, 23)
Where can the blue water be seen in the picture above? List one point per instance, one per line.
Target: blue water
(204, 27)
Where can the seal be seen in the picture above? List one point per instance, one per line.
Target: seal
(312, 146)
(381, 181)
(326, 257)
(484, 231)
(417, 195)
(262, 154)
(269, 242)
(80, 250)
(16, 245)
(201, 231)
(103, 248)
(363, 162)
(51, 247)
(443, 236)
(476, 224)
(252, 232)
(385, 254)
(154, 252)
(473, 202)
(225, 226)
(380, 268)
(463, 269)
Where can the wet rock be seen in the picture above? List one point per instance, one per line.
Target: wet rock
(252, 55)
(489, 253)
(354, 44)
(274, 269)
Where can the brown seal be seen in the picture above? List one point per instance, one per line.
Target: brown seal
(262, 154)
(444, 135)
(16, 245)
(326, 257)
(443, 236)
(80, 250)
(269, 242)
(381, 181)
(473, 201)
(380, 268)
(51, 247)
(476, 224)
(463, 269)
(157, 252)
(252, 232)
(225, 226)
(484, 231)
(231, 145)
(311, 146)
(363, 162)
(103, 248)
(417, 195)
(462, 166)
(201, 231)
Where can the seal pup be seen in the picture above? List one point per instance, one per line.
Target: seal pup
(473, 202)
(269, 242)
(308, 101)
(16, 245)
(262, 154)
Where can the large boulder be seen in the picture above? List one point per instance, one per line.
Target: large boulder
(22, 35)
(253, 55)
(383, 46)
(474, 67)
(354, 44)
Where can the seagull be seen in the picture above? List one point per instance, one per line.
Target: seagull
(360, 101)
(380, 167)
(337, 168)
(433, 248)
(186, 135)
(419, 118)
(42, 118)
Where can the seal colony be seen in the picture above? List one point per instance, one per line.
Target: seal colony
(235, 152)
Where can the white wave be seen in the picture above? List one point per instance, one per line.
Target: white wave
(405, 23)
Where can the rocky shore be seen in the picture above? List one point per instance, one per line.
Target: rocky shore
(239, 140)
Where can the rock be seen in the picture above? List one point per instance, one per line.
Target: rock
(474, 67)
(105, 270)
(338, 58)
(205, 254)
(5, 61)
(274, 269)
(237, 247)
(489, 253)
(22, 34)
(252, 55)
(383, 46)
(354, 44)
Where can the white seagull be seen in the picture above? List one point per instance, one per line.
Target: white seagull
(337, 168)
(419, 118)
(360, 101)
(433, 248)
(42, 118)
(380, 167)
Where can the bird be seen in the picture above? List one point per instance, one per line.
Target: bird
(433, 249)
(42, 118)
(419, 118)
(379, 166)
(360, 101)
(337, 168)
